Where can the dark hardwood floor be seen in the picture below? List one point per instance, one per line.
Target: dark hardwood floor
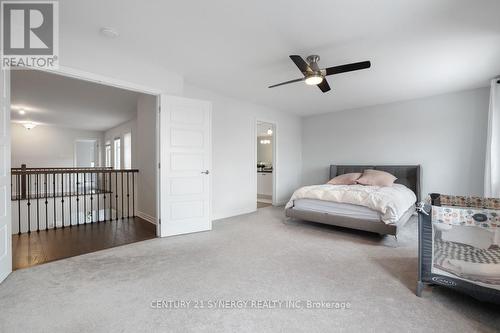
(45, 246)
(263, 204)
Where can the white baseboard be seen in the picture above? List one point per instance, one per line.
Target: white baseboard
(225, 215)
(147, 217)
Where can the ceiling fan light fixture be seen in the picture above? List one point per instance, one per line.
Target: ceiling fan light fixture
(314, 80)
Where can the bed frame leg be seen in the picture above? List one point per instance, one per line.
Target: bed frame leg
(420, 287)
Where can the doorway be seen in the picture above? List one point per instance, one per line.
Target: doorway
(265, 140)
(170, 220)
(85, 153)
(70, 196)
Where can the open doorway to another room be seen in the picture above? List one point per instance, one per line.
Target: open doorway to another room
(86, 153)
(84, 170)
(265, 163)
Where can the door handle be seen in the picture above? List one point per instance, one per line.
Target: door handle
(206, 172)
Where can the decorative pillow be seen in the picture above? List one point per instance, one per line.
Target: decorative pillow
(345, 179)
(376, 178)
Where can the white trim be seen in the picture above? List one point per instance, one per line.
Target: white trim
(96, 78)
(233, 213)
(157, 167)
(147, 217)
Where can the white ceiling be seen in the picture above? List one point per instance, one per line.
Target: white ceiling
(238, 48)
(61, 101)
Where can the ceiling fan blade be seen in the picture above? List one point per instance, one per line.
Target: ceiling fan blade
(287, 82)
(301, 63)
(347, 68)
(324, 86)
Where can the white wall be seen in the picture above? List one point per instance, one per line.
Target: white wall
(47, 146)
(234, 152)
(119, 132)
(143, 129)
(146, 156)
(446, 134)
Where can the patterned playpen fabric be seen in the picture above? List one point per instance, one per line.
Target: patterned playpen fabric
(456, 251)
(469, 201)
(466, 241)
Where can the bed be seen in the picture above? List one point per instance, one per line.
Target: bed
(355, 216)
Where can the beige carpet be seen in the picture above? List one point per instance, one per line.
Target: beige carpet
(257, 257)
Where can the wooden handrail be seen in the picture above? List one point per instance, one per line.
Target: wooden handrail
(61, 168)
(34, 171)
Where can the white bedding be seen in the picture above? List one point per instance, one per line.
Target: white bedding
(390, 201)
(340, 209)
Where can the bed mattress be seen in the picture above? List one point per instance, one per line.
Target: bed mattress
(339, 209)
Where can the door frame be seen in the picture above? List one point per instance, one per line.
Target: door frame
(275, 156)
(109, 81)
(97, 153)
(5, 141)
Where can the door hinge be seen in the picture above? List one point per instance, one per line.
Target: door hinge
(159, 221)
(159, 165)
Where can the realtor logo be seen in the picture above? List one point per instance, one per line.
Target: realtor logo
(30, 34)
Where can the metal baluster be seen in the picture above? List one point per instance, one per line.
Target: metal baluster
(29, 203)
(128, 197)
(46, 205)
(19, 201)
(37, 205)
(133, 194)
(123, 208)
(54, 175)
(69, 195)
(116, 195)
(62, 199)
(98, 203)
(104, 194)
(91, 198)
(85, 198)
(77, 199)
(110, 196)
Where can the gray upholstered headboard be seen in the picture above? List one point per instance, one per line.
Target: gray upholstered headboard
(408, 175)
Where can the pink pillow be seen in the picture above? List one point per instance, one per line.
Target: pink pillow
(376, 178)
(345, 179)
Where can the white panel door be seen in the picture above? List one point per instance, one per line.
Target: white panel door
(5, 222)
(185, 165)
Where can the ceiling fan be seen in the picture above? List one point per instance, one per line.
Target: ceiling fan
(315, 76)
